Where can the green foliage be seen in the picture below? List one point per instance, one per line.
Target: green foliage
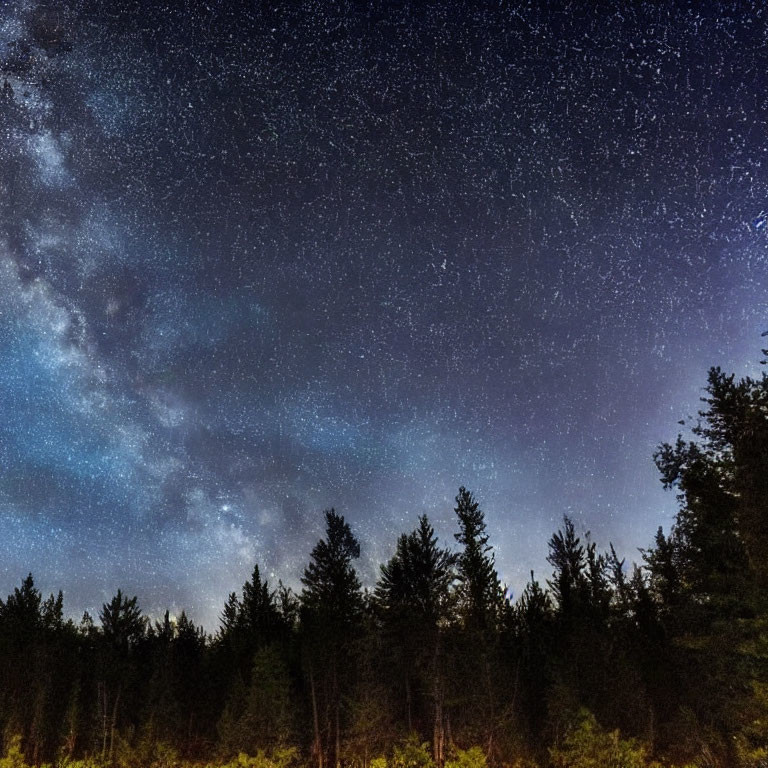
(523, 762)
(411, 753)
(229, 725)
(283, 757)
(751, 757)
(474, 757)
(164, 755)
(370, 729)
(267, 720)
(587, 745)
(14, 755)
(86, 762)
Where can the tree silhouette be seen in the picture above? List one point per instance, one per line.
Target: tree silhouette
(331, 610)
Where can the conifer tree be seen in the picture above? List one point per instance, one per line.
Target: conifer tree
(331, 610)
(735, 431)
(532, 636)
(479, 587)
(477, 682)
(192, 683)
(122, 627)
(259, 614)
(412, 597)
(568, 584)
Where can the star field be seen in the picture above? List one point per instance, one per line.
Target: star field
(257, 260)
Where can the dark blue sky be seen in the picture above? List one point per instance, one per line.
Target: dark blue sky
(261, 259)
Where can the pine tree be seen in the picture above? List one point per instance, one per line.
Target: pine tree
(412, 597)
(21, 673)
(331, 610)
(259, 614)
(735, 432)
(230, 616)
(479, 587)
(122, 627)
(569, 583)
(477, 680)
(191, 683)
(163, 717)
(708, 575)
(531, 644)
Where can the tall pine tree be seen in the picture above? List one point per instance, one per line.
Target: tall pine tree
(331, 611)
(413, 599)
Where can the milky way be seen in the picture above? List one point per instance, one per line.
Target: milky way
(257, 260)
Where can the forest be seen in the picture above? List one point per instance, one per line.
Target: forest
(663, 662)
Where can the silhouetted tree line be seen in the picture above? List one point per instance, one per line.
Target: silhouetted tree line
(600, 665)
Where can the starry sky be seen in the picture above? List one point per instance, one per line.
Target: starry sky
(259, 259)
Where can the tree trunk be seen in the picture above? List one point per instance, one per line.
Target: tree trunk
(315, 719)
(408, 702)
(327, 732)
(113, 727)
(336, 716)
(491, 709)
(438, 735)
(338, 735)
(71, 740)
(103, 704)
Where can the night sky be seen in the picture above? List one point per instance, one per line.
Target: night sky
(261, 260)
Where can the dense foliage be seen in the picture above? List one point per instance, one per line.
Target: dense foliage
(665, 663)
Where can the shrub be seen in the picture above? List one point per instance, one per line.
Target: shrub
(281, 757)
(14, 755)
(411, 753)
(474, 757)
(587, 745)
